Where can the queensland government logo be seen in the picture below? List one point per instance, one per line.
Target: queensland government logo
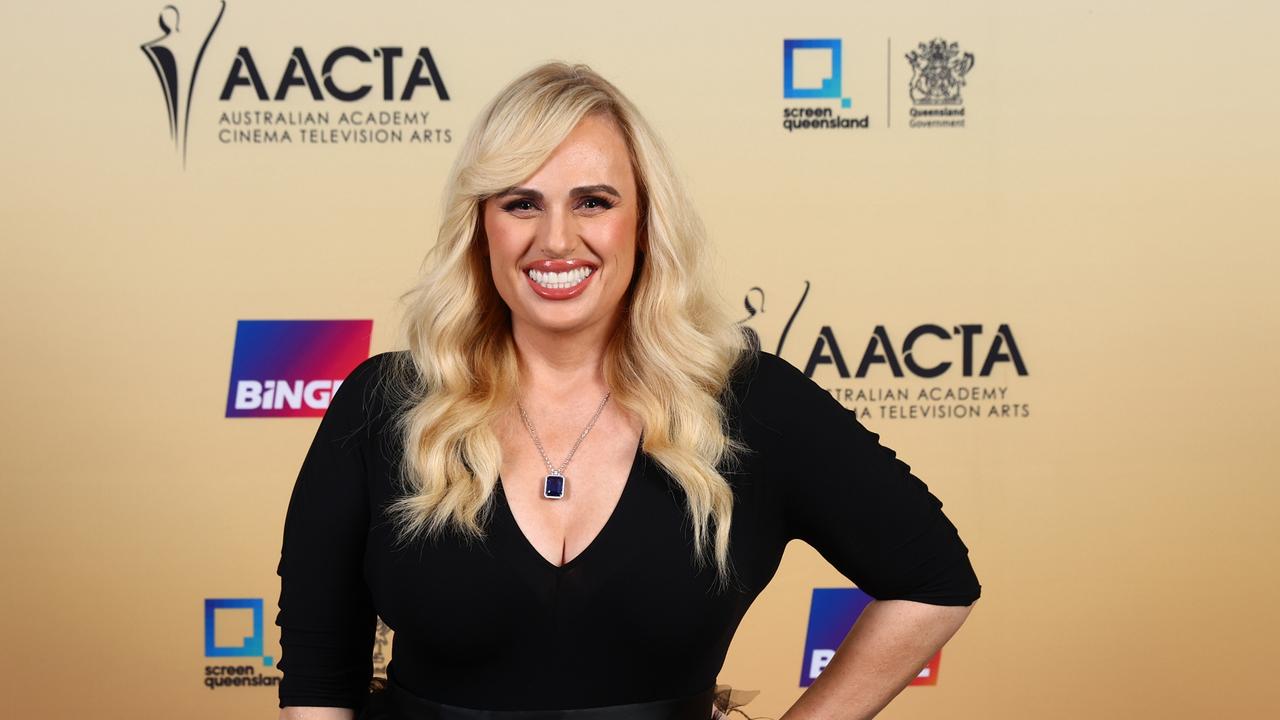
(346, 74)
(813, 69)
(938, 70)
(929, 371)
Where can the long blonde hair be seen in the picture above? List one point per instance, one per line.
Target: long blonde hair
(669, 361)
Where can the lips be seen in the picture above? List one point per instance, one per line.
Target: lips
(580, 272)
(557, 265)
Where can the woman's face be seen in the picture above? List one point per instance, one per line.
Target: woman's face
(562, 244)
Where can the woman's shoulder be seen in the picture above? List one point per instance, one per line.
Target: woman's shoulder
(372, 377)
(775, 394)
(380, 367)
(365, 398)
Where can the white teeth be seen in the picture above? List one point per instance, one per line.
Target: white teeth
(560, 280)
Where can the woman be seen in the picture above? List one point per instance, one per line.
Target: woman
(567, 491)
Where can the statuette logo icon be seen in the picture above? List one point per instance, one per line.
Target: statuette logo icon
(176, 56)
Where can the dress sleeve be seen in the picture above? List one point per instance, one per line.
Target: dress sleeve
(855, 502)
(326, 615)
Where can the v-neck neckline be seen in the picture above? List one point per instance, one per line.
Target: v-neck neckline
(628, 489)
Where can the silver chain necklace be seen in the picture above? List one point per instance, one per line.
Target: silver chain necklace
(554, 484)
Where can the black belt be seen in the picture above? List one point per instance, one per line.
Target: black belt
(394, 702)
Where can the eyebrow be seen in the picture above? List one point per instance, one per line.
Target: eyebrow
(576, 192)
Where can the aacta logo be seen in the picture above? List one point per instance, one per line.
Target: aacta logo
(298, 72)
(979, 351)
(176, 57)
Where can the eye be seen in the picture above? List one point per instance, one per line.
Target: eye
(601, 203)
(525, 205)
(519, 205)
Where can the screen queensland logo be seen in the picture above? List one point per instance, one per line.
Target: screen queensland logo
(292, 368)
(813, 83)
(832, 613)
(362, 94)
(234, 634)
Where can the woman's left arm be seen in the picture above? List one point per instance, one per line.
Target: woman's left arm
(883, 652)
(859, 505)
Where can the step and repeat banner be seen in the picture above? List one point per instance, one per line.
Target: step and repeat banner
(1032, 245)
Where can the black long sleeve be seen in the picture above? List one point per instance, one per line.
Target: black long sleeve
(494, 625)
(852, 499)
(326, 615)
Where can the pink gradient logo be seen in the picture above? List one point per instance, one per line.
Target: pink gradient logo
(291, 368)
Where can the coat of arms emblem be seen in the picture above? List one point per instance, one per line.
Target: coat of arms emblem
(938, 70)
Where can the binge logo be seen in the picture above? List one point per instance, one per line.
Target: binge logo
(292, 368)
(832, 613)
(812, 69)
(233, 627)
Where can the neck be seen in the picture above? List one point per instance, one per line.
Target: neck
(562, 366)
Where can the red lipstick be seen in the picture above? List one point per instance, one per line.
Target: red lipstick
(559, 265)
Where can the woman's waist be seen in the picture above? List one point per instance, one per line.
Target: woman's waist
(395, 702)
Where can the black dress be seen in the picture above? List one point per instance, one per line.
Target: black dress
(496, 626)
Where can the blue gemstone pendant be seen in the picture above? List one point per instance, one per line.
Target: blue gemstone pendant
(553, 486)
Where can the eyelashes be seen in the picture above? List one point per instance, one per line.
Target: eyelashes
(518, 204)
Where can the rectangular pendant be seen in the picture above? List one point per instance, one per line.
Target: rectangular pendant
(553, 487)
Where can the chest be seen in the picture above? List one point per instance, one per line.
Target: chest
(561, 509)
(638, 571)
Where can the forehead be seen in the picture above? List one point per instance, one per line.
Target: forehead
(594, 152)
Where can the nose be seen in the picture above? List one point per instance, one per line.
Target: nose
(559, 235)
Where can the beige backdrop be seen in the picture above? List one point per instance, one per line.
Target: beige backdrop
(1111, 200)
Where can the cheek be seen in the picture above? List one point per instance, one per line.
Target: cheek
(500, 240)
(620, 236)
(498, 245)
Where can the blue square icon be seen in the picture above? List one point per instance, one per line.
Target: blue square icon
(246, 629)
(811, 68)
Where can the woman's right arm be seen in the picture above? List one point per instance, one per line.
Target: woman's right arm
(327, 619)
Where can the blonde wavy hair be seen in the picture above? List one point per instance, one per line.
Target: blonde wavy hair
(669, 362)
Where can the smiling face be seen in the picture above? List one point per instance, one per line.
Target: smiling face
(562, 244)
